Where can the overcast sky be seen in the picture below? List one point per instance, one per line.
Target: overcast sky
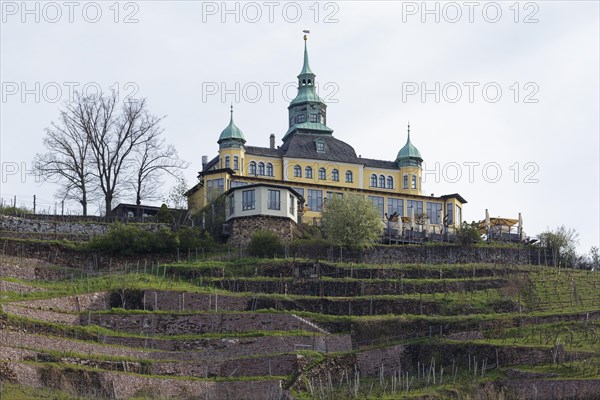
(503, 99)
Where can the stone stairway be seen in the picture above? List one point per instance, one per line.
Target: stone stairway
(311, 324)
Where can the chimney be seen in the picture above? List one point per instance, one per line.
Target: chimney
(272, 141)
(204, 162)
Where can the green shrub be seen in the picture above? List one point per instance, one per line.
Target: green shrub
(265, 244)
(14, 211)
(164, 215)
(191, 238)
(129, 239)
(468, 234)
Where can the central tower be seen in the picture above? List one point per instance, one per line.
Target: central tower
(307, 112)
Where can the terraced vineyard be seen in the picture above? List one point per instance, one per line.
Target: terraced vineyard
(277, 329)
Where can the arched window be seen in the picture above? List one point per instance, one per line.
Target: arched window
(373, 180)
(269, 169)
(261, 168)
(405, 182)
(308, 172)
(227, 162)
(322, 174)
(349, 176)
(390, 182)
(236, 163)
(252, 168)
(413, 182)
(381, 181)
(335, 175)
(297, 171)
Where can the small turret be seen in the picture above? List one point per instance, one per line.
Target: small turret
(409, 156)
(231, 136)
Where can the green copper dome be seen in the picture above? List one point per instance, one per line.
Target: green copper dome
(409, 155)
(232, 132)
(306, 94)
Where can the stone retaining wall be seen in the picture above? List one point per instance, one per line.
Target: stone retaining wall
(233, 347)
(330, 288)
(165, 324)
(243, 228)
(553, 389)
(10, 224)
(70, 304)
(186, 301)
(94, 384)
(278, 365)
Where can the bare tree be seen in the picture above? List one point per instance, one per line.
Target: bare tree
(67, 159)
(108, 148)
(150, 160)
(113, 135)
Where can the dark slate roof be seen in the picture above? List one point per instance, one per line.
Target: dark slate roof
(303, 146)
(262, 151)
(369, 162)
(211, 163)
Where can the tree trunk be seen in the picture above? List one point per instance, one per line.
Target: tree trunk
(84, 202)
(108, 200)
(138, 203)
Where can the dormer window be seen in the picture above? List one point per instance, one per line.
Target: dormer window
(320, 146)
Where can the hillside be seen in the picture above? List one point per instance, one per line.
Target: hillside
(279, 329)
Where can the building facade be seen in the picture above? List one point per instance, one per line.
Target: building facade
(318, 166)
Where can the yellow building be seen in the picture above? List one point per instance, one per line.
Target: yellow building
(318, 166)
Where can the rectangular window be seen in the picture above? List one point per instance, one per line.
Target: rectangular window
(314, 118)
(274, 202)
(378, 203)
(238, 184)
(231, 205)
(395, 206)
(301, 118)
(248, 200)
(434, 212)
(450, 213)
(458, 215)
(416, 206)
(320, 147)
(405, 182)
(299, 190)
(292, 204)
(214, 187)
(315, 200)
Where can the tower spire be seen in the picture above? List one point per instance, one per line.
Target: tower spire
(306, 67)
(307, 111)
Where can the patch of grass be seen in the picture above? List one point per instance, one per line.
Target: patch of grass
(11, 391)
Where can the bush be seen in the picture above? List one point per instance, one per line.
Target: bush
(265, 244)
(14, 211)
(164, 215)
(191, 238)
(468, 234)
(129, 239)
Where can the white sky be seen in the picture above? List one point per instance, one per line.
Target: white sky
(371, 55)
